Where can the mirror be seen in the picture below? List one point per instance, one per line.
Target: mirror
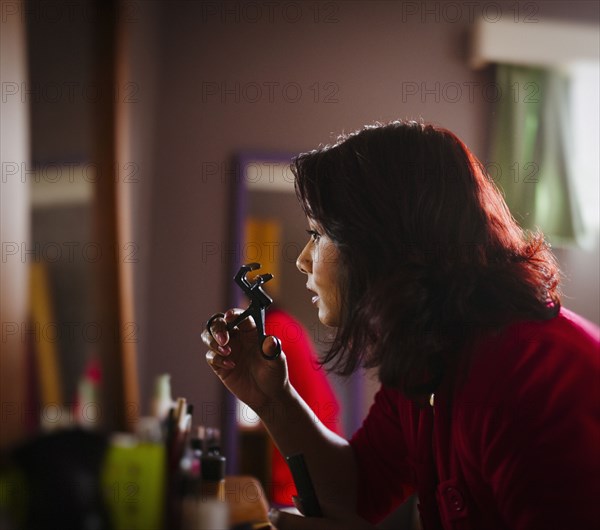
(75, 257)
(275, 234)
(274, 230)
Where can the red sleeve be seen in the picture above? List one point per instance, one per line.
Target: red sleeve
(539, 431)
(311, 382)
(385, 478)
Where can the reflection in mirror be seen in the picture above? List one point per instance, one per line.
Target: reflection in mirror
(64, 327)
(74, 338)
(276, 233)
(272, 207)
(272, 231)
(62, 103)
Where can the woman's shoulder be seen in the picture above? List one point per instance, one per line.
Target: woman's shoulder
(566, 331)
(577, 327)
(529, 355)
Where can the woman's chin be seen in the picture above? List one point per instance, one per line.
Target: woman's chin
(327, 319)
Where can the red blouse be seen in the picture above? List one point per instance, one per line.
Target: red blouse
(516, 446)
(311, 382)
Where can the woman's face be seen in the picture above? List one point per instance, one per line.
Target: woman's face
(320, 261)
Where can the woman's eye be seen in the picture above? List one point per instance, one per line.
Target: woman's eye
(313, 235)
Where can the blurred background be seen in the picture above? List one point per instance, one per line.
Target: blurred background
(144, 141)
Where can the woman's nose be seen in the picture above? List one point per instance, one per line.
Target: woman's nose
(303, 261)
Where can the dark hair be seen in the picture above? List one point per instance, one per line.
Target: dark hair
(430, 253)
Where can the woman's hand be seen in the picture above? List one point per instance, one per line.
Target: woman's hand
(235, 357)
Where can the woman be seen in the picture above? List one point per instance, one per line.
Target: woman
(489, 401)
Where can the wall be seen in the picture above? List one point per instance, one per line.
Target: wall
(221, 76)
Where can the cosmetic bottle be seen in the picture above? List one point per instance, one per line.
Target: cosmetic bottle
(196, 446)
(190, 463)
(162, 401)
(203, 505)
(213, 473)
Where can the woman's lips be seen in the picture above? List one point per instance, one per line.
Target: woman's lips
(315, 297)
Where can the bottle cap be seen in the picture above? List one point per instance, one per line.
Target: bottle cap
(162, 400)
(213, 439)
(213, 467)
(162, 387)
(148, 429)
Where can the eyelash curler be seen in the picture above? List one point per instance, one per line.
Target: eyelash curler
(259, 301)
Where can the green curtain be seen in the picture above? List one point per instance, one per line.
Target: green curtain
(530, 151)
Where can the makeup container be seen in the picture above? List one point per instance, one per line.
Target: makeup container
(212, 466)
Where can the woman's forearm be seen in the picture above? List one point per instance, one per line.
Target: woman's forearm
(295, 428)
